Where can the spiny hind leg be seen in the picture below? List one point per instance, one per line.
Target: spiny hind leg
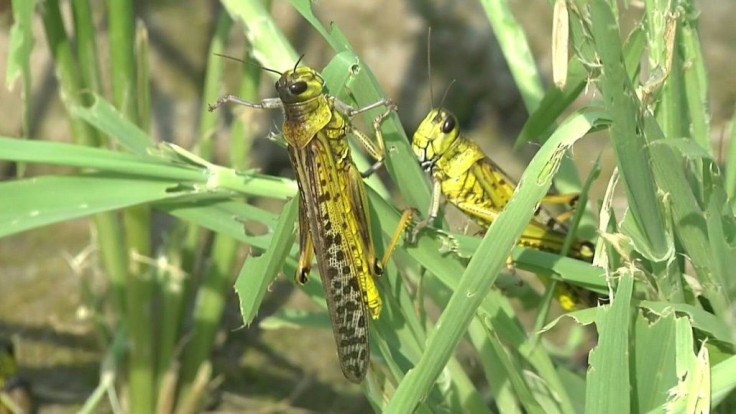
(359, 203)
(406, 217)
(489, 215)
(571, 199)
(569, 296)
(568, 199)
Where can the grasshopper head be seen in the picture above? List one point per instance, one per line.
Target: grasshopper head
(435, 135)
(299, 84)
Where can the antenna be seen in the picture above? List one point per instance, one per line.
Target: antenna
(446, 92)
(429, 67)
(248, 63)
(297, 61)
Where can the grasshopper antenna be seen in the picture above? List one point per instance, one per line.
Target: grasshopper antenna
(298, 61)
(442, 102)
(429, 67)
(248, 63)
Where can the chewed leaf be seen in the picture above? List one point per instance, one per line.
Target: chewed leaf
(258, 272)
(581, 317)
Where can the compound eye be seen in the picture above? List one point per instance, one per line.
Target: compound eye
(448, 125)
(297, 88)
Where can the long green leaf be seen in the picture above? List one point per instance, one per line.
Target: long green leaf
(608, 386)
(516, 49)
(627, 133)
(20, 45)
(699, 318)
(270, 46)
(44, 200)
(259, 272)
(654, 361)
(106, 118)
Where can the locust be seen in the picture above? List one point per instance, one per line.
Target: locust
(481, 189)
(334, 220)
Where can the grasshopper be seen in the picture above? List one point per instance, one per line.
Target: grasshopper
(478, 187)
(334, 220)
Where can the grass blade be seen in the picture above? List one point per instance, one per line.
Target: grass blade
(20, 46)
(608, 386)
(259, 272)
(654, 361)
(516, 49)
(270, 46)
(36, 202)
(627, 133)
(108, 120)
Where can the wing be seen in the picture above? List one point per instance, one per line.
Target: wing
(324, 187)
(497, 186)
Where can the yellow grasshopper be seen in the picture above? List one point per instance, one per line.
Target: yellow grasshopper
(478, 187)
(334, 220)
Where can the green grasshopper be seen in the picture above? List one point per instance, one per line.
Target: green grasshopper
(333, 209)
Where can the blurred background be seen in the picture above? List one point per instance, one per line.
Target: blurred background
(48, 284)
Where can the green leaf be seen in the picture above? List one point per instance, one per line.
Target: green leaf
(338, 43)
(268, 42)
(689, 220)
(44, 200)
(516, 49)
(513, 372)
(20, 46)
(222, 216)
(103, 116)
(608, 387)
(654, 361)
(258, 273)
(699, 318)
(723, 380)
(81, 156)
(627, 133)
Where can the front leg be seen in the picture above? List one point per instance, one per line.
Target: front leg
(350, 111)
(268, 103)
(434, 208)
(375, 149)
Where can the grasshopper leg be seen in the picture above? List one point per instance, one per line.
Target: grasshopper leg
(434, 208)
(406, 217)
(306, 247)
(375, 149)
(269, 103)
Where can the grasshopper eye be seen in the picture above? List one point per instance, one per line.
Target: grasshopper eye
(448, 125)
(297, 88)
